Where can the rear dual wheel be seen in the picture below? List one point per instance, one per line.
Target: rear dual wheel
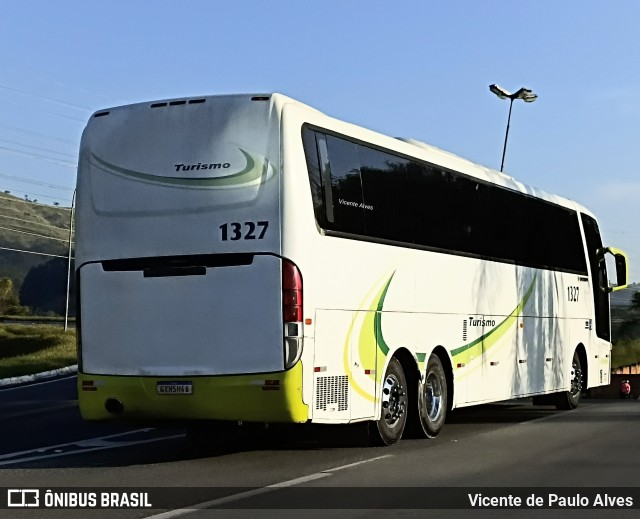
(431, 402)
(393, 415)
(432, 398)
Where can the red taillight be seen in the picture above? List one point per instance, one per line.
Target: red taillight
(291, 293)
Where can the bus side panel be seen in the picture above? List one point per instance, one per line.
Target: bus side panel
(343, 392)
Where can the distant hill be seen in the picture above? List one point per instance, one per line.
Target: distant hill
(623, 297)
(34, 228)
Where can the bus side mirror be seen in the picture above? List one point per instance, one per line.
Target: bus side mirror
(621, 266)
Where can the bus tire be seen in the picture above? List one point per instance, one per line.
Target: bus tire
(432, 398)
(568, 400)
(393, 413)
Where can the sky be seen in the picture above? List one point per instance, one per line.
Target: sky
(415, 69)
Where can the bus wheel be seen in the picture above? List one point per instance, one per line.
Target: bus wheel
(570, 399)
(432, 398)
(393, 415)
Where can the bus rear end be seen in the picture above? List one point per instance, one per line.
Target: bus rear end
(187, 310)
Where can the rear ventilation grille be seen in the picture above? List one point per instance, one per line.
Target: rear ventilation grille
(332, 393)
(178, 102)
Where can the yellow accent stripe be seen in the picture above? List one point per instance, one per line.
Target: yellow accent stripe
(366, 337)
(228, 397)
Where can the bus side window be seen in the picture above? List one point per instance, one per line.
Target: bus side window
(598, 277)
(385, 194)
(322, 212)
(325, 172)
(430, 205)
(467, 220)
(346, 186)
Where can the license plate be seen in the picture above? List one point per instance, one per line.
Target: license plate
(174, 388)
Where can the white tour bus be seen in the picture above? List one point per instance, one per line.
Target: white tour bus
(246, 258)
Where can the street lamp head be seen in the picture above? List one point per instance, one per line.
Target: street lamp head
(526, 95)
(499, 91)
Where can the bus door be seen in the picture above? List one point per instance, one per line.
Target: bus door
(600, 371)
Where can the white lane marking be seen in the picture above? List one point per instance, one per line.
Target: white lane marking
(87, 445)
(263, 490)
(28, 412)
(33, 383)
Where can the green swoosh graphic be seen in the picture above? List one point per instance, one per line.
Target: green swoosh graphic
(371, 330)
(492, 336)
(256, 168)
(366, 337)
(489, 338)
(377, 323)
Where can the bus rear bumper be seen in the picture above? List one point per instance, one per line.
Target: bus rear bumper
(265, 397)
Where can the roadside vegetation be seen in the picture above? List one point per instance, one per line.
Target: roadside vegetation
(626, 333)
(29, 349)
(625, 352)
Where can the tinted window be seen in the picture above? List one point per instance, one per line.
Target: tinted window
(467, 226)
(313, 167)
(346, 186)
(375, 193)
(598, 277)
(384, 188)
(430, 206)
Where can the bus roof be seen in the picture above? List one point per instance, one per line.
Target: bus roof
(407, 146)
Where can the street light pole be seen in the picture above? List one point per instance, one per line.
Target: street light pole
(506, 135)
(525, 94)
(66, 312)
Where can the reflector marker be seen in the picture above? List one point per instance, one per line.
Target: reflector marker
(87, 385)
(271, 385)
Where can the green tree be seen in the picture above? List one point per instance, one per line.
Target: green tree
(8, 296)
(635, 300)
(44, 288)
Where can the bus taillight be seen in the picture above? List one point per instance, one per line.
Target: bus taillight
(291, 312)
(291, 293)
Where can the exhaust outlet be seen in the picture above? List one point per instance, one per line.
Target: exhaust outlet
(114, 406)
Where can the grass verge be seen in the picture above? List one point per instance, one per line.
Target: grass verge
(25, 350)
(625, 352)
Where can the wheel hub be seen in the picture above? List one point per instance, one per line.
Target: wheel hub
(576, 379)
(394, 400)
(433, 394)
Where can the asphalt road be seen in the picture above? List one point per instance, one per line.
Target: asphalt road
(504, 446)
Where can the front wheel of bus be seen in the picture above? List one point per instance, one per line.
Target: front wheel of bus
(432, 398)
(570, 399)
(393, 416)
